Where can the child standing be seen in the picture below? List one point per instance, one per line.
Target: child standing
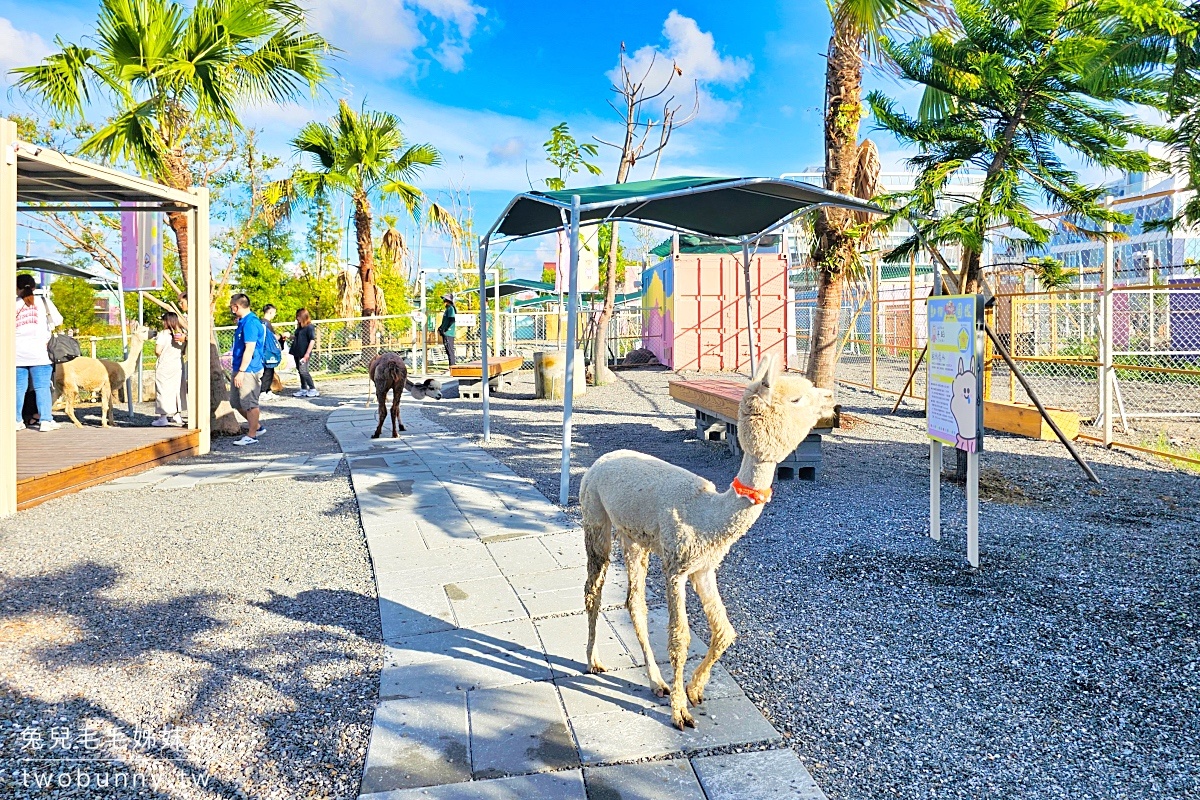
(270, 349)
(169, 347)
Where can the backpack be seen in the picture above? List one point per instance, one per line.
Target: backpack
(271, 354)
(60, 348)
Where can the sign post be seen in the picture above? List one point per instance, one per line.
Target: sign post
(954, 416)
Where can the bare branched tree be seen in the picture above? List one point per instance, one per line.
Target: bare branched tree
(636, 100)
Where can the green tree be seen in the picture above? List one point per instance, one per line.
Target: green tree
(360, 154)
(166, 70)
(75, 299)
(623, 261)
(1025, 82)
(262, 268)
(568, 156)
(858, 26)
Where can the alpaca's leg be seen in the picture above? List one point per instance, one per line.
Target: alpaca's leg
(677, 644)
(397, 425)
(637, 561)
(381, 396)
(70, 393)
(721, 633)
(105, 405)
(597, 537)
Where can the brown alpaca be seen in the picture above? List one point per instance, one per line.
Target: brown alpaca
(390, 374)
(83, 375)
(661, 508)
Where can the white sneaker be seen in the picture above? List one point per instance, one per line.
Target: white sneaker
(245, 440)
(301, 393)
(48, 425)
(161, 422)
(313, 393)
(20, 425)
(261, 430)
(177, 419)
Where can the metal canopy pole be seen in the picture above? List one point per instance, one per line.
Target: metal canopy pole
(564, 481)
(749, 316)
(483, 348)
(424, 327)
(499, 329)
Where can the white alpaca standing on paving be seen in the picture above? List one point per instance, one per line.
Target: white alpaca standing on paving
(661, 508)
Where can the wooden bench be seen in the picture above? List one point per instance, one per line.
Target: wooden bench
(470, 374)
(716, 400)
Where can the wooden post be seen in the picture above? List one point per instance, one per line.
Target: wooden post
(874, 322)
(199, 321)
(8, 311)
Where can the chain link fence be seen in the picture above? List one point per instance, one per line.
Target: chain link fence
(1057, 338)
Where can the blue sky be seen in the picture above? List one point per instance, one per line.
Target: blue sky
(483, 80)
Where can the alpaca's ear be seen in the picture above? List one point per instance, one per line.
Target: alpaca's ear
(764, 377)
(762, 371)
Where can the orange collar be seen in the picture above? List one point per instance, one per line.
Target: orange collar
(755, 496)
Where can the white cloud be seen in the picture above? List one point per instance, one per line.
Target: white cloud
(19, 48)
(511, 150)
(396, 33)
(694, 53)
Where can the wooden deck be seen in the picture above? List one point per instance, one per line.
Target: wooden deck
(69, 459)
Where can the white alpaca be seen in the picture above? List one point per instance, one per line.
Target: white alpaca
(121, 371)
(661, 508)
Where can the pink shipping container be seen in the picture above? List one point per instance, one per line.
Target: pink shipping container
(694, 311)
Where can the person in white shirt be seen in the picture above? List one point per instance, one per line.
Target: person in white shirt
(36, 319)
(169, 347)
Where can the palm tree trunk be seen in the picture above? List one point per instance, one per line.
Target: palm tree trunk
(601, 374)
(834, 251)
(366, 268)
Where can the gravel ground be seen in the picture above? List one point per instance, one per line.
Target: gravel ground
(219, 641)
(1067, 667)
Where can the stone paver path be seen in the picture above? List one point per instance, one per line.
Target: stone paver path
(483, 692)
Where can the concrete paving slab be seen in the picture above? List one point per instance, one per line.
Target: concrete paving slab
(629, 690)
(479, 602)
(414, 611)
(567, 548)
(566, 785)
(656, 626)
(449, 528)
(763, 775)
(657, 780)
(561, 591)
(420, 742)
(518, 729)
(464, 658)
(399, 567)
(720, 722)
(564, 640)
(488, 523)
(522, 556)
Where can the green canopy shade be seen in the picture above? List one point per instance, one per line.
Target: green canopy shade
(718, 207)
(517, 286)
(690, 244)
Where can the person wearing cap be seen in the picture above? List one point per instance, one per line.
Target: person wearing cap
(446, 329)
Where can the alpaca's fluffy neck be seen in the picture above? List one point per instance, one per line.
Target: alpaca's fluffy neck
(733, 514)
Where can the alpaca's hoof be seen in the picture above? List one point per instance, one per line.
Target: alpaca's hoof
(596, 668)
(403, 428)
(375, 435)
(682, 718)
(661, 690)
(695, 695)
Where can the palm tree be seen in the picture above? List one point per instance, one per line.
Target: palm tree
(360, 154)
(858, 26)
(1025, 82)
(166, 71)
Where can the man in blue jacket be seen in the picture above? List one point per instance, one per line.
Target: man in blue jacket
(247, 366)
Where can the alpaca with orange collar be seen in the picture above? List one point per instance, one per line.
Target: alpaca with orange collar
(660, 508)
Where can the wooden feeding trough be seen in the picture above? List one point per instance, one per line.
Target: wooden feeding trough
(470, 374)
(1026, 420)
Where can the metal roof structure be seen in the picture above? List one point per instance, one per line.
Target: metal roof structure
(50, 181)
(737, 210)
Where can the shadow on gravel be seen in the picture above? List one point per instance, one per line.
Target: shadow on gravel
(231, 694)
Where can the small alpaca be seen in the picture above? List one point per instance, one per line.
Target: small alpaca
(964, 407)
(661, 508)
(390, 374)
(84, 375)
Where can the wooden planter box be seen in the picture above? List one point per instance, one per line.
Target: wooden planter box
(1025, 420)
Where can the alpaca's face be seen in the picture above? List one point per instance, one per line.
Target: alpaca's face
(420, 391)
(778, 412)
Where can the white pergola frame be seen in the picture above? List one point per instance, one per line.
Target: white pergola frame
(569, 214)
(36, 179)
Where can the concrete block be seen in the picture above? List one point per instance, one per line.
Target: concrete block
(566, 785)
(519, 729)
(764, 775)
(564, 640)
(672, 779)
(561, 591)
(480, 602)
(522, 556)
(418, 743)
(465, 658)
(414, 611)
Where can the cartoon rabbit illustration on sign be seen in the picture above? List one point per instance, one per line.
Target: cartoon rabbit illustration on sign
(963, 407)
